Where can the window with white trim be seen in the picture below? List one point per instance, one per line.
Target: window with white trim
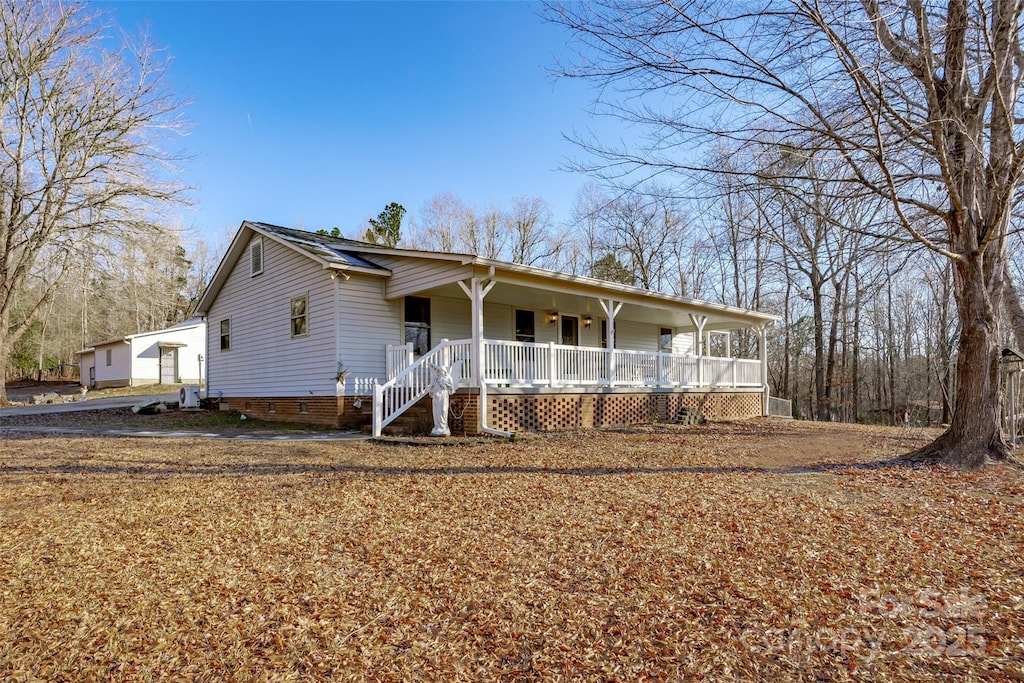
(256, 257)
(225, 334)
(417, 324)
(526, 326)
(300, 326)
(110, 357)
(665, 339)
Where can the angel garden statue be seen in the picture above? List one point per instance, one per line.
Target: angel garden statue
(440, 389)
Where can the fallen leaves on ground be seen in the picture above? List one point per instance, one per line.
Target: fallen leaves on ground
(754, 550)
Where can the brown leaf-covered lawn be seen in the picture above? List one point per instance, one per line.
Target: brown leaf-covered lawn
(722, 552)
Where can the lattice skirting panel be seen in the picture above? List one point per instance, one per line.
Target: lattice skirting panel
(548, 412)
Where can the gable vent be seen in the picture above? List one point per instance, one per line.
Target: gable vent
(256, 256)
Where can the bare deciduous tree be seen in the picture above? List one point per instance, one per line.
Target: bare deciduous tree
(81, 135)
(920, 100)
(528, 225)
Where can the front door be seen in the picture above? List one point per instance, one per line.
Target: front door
(168, 366)
(570, 330)
(570, 337)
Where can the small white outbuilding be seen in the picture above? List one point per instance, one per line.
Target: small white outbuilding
(168, 356)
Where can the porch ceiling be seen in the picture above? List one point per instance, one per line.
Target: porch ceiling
(655, 312)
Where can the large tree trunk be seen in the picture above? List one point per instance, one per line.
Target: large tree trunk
(974, 436)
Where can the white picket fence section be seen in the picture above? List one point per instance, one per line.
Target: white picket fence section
(408, 386)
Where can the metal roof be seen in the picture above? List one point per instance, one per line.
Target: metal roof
(332, 250)
(348, 254)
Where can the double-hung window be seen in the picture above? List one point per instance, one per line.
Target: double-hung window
(526, 326)
(665, 340)
(417, 324)
(225, 334)
(300, 316)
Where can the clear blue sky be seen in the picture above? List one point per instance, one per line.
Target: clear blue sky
(319, 114)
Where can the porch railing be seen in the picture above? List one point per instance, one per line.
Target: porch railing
(402, 391)
(397, 358)
(531, 364)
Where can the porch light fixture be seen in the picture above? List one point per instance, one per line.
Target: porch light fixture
(588, 320)
(553, 317)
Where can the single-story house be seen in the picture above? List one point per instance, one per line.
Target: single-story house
(170, 356)
(338, 332)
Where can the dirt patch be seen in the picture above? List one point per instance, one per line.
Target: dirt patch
(22, 392)
(171, 419)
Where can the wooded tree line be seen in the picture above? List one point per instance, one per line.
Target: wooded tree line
(119, 286)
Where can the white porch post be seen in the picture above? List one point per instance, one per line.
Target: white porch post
(611, 309)
(476, 291)
(762, 351)
(552, 364)
(699, 321)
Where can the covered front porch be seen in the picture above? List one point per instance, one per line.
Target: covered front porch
(535, 331)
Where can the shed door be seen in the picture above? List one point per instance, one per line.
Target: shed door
(168, 366)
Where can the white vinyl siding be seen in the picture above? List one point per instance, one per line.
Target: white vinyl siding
(451, 319)
(415, 275)
(498, 321)
(683, 343)
(145, 354)
(636, 336)
(265, 360)
(87, 361)
(119, 369)
(367, 324)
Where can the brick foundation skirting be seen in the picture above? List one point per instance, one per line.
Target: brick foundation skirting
(321, 411)
(510, 412)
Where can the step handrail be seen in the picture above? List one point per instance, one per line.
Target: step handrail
(400, 393)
